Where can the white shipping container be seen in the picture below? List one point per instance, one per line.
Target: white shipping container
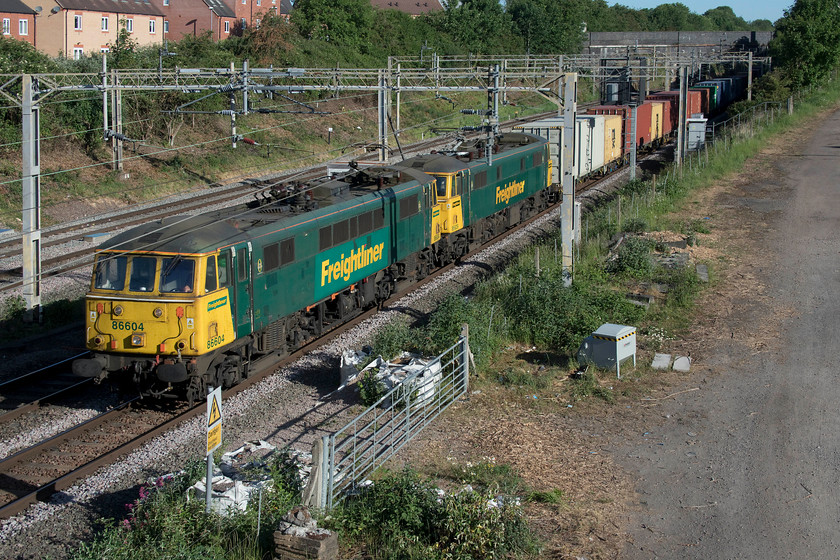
(552, 130)
(589, 144)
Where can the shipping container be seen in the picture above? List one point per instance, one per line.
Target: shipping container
(643, 122)
(613, 145)
(552, 130)
(713, 92)
(657, 119)
(694, 103)
(589, 144)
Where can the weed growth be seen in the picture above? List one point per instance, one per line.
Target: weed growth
(587, 385)
(404, 517)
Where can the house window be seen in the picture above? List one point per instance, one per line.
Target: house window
(77, 23)
(104, 49)
(165, 2)
(259, 2)
(23, 27)
(257, 23)
(227, 27)
(244, 23)
(151, 26)
(244, 2)
(78, 52)
(166, 26)
(129, 25)
(7, 26)
(104, 23)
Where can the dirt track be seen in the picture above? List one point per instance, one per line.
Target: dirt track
(748, 465)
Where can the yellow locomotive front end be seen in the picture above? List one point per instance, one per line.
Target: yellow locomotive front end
(156, 317)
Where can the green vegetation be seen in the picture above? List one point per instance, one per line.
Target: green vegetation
(162, 523)
(402, 516)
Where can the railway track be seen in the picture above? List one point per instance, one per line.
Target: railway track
(27, 393)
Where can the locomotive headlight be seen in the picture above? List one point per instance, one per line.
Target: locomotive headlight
(157, 312)
(138, 339)
(118, 310)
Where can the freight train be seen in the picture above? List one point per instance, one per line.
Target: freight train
(188, 302)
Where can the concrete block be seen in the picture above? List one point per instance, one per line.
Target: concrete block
(661, 361)
(313, 545)
(682, 363)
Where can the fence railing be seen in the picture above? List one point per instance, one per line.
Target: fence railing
(347, 457)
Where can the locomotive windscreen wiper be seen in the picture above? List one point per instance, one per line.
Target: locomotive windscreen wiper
(171, 266)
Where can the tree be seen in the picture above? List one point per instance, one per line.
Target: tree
(723, 18)
(548, 26)
(807, 41)
(343, 22)
(676, 17)
(480, 26)
(19, 57)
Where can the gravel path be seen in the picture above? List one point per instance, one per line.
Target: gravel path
(746, 465)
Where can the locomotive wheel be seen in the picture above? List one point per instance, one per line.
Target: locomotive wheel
(229, 372)
(196, 390)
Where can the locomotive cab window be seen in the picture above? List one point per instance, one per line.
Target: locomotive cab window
(224, 271)
(241, 265)
(177, 275)
(110, 273)
(440, 189)
(210, 275)
(142, 277)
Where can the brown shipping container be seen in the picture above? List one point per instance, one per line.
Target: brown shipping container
(643, 115)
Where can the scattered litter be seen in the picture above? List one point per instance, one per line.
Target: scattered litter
(425, 376)
(348, 369)
(242, 473)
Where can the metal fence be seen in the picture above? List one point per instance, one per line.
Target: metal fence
(351, 454)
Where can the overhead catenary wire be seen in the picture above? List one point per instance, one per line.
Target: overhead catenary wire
(189, 146)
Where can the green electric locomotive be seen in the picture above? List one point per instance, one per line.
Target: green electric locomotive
(187, 302)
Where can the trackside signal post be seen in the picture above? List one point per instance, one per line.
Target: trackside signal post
(214, 437)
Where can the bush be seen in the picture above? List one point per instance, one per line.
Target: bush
(633, 258)
(371, 388)
(163, 524)
(403, 517)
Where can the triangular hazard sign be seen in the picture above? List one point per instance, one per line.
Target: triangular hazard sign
(215, 415)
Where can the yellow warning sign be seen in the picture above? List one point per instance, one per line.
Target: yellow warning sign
(214, 437)
(214, 420)
(214, 415)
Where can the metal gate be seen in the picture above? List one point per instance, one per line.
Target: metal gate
(352, 453)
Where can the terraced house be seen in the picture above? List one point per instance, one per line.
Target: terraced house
(74, 28)
(221, 18)
(18, 21)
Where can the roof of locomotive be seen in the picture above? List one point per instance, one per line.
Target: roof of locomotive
(470, 154)
(278, 210)
(288, 206)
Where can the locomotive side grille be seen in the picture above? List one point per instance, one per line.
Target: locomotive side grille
(272, 337)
